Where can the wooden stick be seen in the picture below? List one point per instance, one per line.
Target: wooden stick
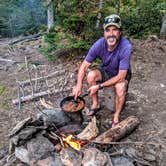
(36, 95)
(29, 74)
(42, 78)
(7, 60)
(128, 142)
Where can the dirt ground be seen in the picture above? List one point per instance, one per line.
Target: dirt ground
(145, 98)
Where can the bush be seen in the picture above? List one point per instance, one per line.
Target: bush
(143, 20)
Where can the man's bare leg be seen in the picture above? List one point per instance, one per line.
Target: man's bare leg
(120, 98)
(92, 77)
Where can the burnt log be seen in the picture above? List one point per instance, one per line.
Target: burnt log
(121, 130)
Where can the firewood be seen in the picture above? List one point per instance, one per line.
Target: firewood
(90, 131)
(119, 131)
(46, 104)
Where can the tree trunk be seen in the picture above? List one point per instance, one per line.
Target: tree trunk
(117, 7)
(163, 27)
(119, 131)
(99, 14)
(50, 15)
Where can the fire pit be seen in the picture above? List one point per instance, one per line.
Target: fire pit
(46, 140)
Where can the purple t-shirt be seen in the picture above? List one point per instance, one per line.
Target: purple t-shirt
(112, 61)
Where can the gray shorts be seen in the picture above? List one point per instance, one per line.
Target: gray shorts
(106, 76)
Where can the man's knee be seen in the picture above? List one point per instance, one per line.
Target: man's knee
(93, 76)
(121, 88)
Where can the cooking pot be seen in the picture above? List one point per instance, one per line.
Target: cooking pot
(69, 104)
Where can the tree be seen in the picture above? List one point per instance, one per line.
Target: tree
(117, 7)
(99, 14)
(20, 17)
(163, 27)
(50, 15)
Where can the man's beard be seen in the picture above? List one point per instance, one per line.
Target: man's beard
(112, 41)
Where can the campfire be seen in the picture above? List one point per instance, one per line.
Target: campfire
(35, 141)
(73, 142)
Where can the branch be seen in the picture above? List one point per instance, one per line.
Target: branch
(36, 95)
(26, 82)
(27, 38)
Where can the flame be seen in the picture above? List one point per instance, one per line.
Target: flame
(73, 143)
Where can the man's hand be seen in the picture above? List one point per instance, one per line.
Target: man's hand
(76, 91)
(93, 89)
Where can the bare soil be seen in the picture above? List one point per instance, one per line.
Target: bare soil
(145, 98)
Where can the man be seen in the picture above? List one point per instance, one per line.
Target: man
(114, 50)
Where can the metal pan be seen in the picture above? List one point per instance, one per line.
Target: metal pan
(69, 104)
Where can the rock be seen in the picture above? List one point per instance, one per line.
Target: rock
(121, 161)
(22, 154)
(109, 96)
(23, 136)
(3, 152)
(39, 148)
(75, 117)
(148, 152)
(94, 157)
(56, 117)
(53, 160)
(20, 125)
(70, 129)
(71, 157)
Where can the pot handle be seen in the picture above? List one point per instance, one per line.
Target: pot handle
(86, 93)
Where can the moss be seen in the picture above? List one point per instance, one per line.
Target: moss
(2, 89)
(4, 103)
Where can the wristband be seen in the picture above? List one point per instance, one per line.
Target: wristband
(100, 87)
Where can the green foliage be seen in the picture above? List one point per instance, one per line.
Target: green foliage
(2, 89)
(143, 20)
(76, 20)
(21, 17)
(75, 25)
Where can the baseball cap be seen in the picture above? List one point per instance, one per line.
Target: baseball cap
(112, 20)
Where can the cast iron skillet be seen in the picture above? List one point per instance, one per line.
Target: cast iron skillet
(70, 99)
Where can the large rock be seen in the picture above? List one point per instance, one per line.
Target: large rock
(53, 160)
(39, 148)
(56, 117)
(71, 157)
(94, 157)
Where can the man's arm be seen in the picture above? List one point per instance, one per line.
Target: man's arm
(111, 82)
(80, 77)
(118, 78)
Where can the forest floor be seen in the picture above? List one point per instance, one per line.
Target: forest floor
(146, 97)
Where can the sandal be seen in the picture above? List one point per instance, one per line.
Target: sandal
(92, 112)
(114, 123)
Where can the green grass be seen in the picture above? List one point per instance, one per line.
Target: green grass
(2, 89)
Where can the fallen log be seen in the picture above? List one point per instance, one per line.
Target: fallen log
(37, 95)
(26, 38)
(119, 131)
(7, 60)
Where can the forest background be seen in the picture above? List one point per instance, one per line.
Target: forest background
(76, 24)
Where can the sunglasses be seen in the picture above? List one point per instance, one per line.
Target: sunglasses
(112, 20)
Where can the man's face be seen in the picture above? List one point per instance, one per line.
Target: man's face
(112, 35)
